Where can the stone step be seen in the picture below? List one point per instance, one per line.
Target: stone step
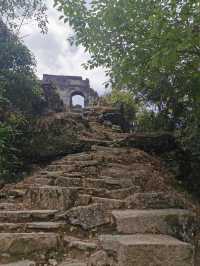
(143, 250)
(83, 156)
(72, 262)
(45, 226)
(106, 193)
(61, 198)
(102, 150)
(42, 181)
(155, 200)
(111, 194)
(85, 199)
(63, 168)
(123, 192)
(108, 183)
(16, 193)
(68, 182)
(167, 221)
(74, 175)
(68, 166)
(55, 171)
(79, 248)
(104, 182)
(13, 194)
(21, 263)
(109, 203)
(51, 197)
(27, 215)
(50, 174)
(34, 226)
(89, 191)
(36, 180)
(84, 245)
(7, 206)
(97, 142)
(26, 245)
(75, 162)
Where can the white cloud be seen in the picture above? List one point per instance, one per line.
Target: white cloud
(54, 54)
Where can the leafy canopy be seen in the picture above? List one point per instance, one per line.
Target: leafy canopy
(15, 12)
(126, 99)
(14, 55)
(151, 47)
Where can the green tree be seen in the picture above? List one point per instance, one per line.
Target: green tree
(126, 99)
(20, 100)
(14, 56)
(18, 83)
(20, 93)
(15, 12)
(151, 47)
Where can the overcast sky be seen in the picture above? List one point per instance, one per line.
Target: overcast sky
(54, 54)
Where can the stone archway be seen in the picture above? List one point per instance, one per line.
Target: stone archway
(77, 93)
(78, 101)
(69, 86)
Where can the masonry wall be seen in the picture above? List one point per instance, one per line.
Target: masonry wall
(69, 86)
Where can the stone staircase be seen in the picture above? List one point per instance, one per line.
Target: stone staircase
(106, 207)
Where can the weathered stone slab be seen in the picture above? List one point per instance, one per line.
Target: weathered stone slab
(123, 192)
(7, 227)
(93, 183)
(42, 181)
(109, 203)
(26, 243)
(143, 250)
(82, 245)
(45, 225)
(16, 193)
(101, 192)
(7, 206)
(27, 215)
(21, 263)
(162, 253)
(23, 227)
(73, 263)
(120, 182)
(169, 221)
(68, 182)
(154, 200)
(54, 168)
(107, 183)
(101, 258)
(50, 197)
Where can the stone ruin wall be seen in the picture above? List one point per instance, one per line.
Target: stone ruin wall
(69, 86)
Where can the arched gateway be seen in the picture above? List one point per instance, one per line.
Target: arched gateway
(74, 95)
(70, 86)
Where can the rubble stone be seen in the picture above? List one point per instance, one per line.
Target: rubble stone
(88, 217)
